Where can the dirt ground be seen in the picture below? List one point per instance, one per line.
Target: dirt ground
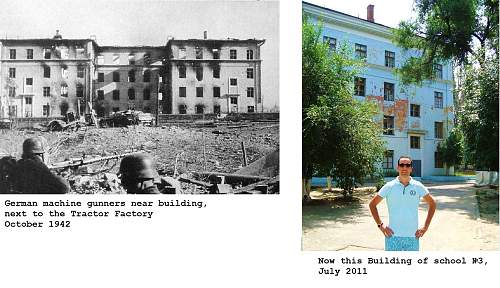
(193, 149)
(461, 223)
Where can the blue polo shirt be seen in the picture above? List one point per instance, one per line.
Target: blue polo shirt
(402, 203)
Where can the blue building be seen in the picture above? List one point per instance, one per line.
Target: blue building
(415, 118)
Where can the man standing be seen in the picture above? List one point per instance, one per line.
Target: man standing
(403, 196)
(32, 176)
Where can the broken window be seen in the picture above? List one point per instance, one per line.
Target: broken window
(64, 90)
(182, 109)
(131, 76)
(438, 160)
(414, 142)
(216, 109)
(100, 94)
(388, 160)
(200, 109)
(147, 59)
(182, 91)
(46, 91)
(390, 59)
(250, 92)
(79, 50)
(64, 72)
(216, 53)
(232, 54)
(360, 52)
(147, 76)
(438, 71)
(116, 76)
(79, 90)
(388, 125)
(100, 59)
(233, 81)
(12, 91)
(80, 71)
(199, 73)
(199, 91)
(216, 92)
(249, 54)
(332, 42)
(29, 53)
(359, 86)
(198, 52)
(46, 110)
(182, 53)
(250, 73)
(12, 72)
(46, 71)
(438, 130)
(414, 110)
(116, 94)
(12, 53)
(116, 59)
(100, 77)
(388, 91)
(46, 53)
(182, 71)
(131, 94)
(64, 52)
(438, 99)
(216, 72)
(250, 109)
(146, 94)
(131, 59)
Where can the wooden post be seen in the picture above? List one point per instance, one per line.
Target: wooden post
(245, 163)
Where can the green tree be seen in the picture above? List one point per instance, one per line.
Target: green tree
(451, 149)
(340, 137)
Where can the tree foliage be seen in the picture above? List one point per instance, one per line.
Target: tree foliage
(451, 149)
(340, 137)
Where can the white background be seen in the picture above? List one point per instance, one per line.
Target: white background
(236, 241)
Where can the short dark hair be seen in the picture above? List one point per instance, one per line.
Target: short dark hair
(404, 156)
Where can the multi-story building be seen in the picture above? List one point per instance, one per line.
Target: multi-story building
(42, 77)
(50, 77)
(213, 76)
(414, 118)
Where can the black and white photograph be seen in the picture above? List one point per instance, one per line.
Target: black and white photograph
(139, 97)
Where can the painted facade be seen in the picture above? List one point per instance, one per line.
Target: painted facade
(414, 118)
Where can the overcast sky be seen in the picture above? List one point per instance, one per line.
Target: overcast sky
(147, 22)
(386, 12)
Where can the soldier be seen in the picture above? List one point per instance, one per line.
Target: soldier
(138, 175)
(32, 176)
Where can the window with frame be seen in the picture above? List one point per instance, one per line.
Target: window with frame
(388, 91)
(131, 75)
(182, 109)
(250, 92)
(80, 50)
(182, 71)
(46, 110)
(46, 91)
(146, 94)
(199, 73)
(12, 53)
(47, 53)
(29, 82)
(182, 53)
(12, 110)
(116, 76)
(388, 160)
(216, 72)
(198, 52)
(233, 82)
(64, 72)
(131, 59)
(359, 86)
(64, 90)
(232, 54)
(250, 73)
(131, 94)
(234, 100)
(199, 91)
(388, 125)
(29, 53)
(116, 94)
(360, 51)
(438, 130)
(12, 72)
(250, 109)
(147, 59)
(79, 90)
(332, 42)
(438, 71)
(200, 109)
(216, 109)
(438, 99)
(414, 142)
(100, 77)
(390, 59)
(249, 54)
(146, 76)
(46, 71)
(116, 59)
(216, 53)
(216, 92)
(100, 94)
(438, 160)
(414, 110)
(182, 91)
(80, 71)
(12, 91)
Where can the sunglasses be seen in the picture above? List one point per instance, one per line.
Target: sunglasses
(405, 165)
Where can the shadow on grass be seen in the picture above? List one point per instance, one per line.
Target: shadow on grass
(487, 200)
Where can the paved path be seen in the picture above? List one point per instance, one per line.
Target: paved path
(455, 227)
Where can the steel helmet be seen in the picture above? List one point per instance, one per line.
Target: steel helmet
(33, 146)
(137, 166)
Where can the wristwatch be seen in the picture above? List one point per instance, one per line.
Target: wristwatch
(380, 225)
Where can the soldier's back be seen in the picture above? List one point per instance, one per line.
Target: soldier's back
(33, 177)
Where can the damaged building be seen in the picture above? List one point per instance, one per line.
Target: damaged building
(54, 76)
(415, 119)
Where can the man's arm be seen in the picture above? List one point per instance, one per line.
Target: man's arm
(373, 209)
(430, 213)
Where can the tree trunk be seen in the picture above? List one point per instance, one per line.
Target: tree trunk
(306, 189)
